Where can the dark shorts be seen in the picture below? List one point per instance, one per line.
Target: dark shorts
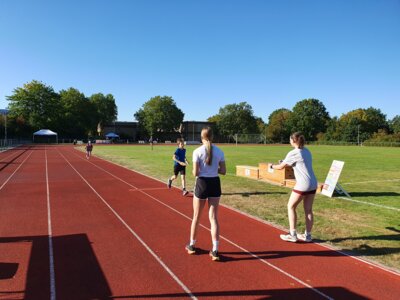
(207, 187)
(179, 168)
(305, 193)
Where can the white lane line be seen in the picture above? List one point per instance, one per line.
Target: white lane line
(330, 247)
(149, 189)
(50, 234)
(5, 182)
(367, 203)
(383, 268)
(181, 284)
(372, 181)
(224, 238)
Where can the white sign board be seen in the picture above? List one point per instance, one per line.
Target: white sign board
(332, 178)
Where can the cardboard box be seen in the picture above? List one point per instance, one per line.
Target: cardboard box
(247, 171)
(278, 176)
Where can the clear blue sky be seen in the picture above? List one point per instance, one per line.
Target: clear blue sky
(208, 53)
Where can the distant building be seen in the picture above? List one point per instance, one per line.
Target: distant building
(125, 130)
(191, 130)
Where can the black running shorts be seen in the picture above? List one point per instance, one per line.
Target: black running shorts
(179, 168)
(207, 187)
(305, 193)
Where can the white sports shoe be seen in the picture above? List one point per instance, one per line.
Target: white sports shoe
(304, 237)
(289, 238)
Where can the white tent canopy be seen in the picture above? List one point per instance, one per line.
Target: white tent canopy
(45, 132)
(112, 135)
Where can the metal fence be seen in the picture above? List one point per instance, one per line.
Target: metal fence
(12, 143)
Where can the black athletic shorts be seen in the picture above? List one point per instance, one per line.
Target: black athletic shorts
(305, 193)
(179, 168)
(207, 187)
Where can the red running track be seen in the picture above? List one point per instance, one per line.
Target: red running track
(73, 228)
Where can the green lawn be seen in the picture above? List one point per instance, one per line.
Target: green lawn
(370, 175)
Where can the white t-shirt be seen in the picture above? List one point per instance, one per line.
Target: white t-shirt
(200, 155)
(301, 161)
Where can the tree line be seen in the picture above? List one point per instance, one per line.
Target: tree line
(69, 112)
(160, 114)
(72, 114)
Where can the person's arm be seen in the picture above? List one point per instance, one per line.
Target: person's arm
(278, 166)
(175, 158)
(195, 169)
(222, 168)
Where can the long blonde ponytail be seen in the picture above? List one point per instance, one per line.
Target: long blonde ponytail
(207, 135)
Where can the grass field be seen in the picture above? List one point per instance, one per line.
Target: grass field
(371, 175)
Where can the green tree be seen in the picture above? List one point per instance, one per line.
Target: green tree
(360, 124)
(236, 118)
(394, 124)
(375, 120)
(37, 104)
(159, 114)
(309, 117)
(104, 109)
(77, 113)
(278, 128)
(332, 133)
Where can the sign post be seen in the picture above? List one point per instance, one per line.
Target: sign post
(331, 182)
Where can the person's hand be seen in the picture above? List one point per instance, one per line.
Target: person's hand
(182, 164)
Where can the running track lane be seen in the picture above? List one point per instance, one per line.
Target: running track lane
(162, 218)
(324, 269)
(24, 267)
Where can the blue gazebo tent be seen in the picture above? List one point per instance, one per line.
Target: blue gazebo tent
(112, 135)
(45, 132)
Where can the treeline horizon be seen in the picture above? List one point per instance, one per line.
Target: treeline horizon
(69, 112)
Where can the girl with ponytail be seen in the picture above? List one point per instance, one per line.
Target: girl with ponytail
(208, 162)
(306, 185)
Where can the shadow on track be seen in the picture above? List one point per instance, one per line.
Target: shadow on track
(78, 274)
(5, 164)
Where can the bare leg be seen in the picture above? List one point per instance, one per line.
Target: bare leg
(183, 178)
(294, 200)
(198, 206)
(213, 204)
(308, 204)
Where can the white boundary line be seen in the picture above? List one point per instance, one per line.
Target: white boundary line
(330, 247)
(50, 234)
(181, 284)
(367, 203)
(5, 182)
(222, 237)
(374, 264)
(373, 181)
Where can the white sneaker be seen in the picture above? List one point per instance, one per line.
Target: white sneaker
(289, 238)
(304, 237)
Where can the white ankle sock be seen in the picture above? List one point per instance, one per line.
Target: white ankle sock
(192, 242)
(293, 232)
(215, 245)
